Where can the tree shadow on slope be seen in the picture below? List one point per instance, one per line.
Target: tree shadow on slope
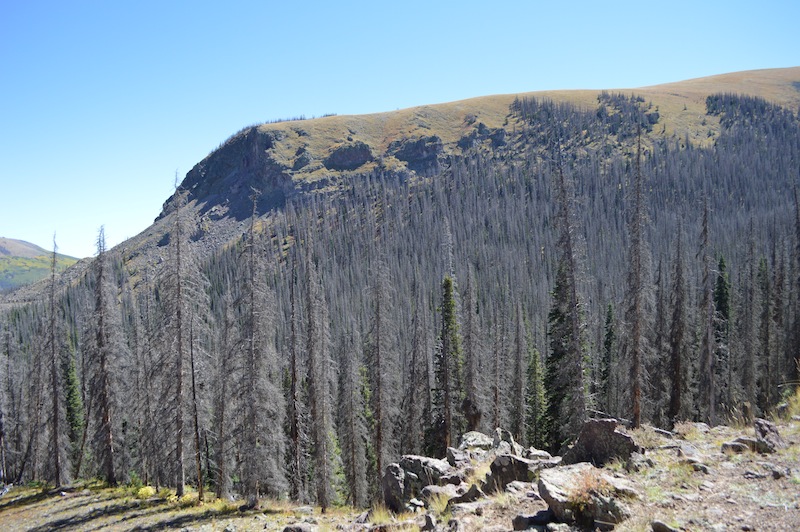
(21, 501)
(185, 520)
(81, 521)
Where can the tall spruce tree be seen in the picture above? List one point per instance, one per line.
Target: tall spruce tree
(56, 396)
(448, 422)
(416, 399)
(351, 420)
(226, 347)
(382, 368)
(184, 305)
(747, 367)
(722, 358)
(765, 396)
(607, 388)
(564, 374)
(473, 393)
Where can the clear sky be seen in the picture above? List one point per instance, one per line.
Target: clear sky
(102, 102)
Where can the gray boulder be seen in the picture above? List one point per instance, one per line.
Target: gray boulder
(475, 440)
(454, 494)
(458, 457)
(507, 468)
(427, 470)
(298, 527)
(769, 439)
(661, 526)
(474, 493)
(393, 485)
(532, 453)
(582, 494)
(448, 490)
(736, 447)
(503, 442)
(600, 442)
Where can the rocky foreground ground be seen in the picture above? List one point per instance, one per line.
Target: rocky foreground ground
(698, 478)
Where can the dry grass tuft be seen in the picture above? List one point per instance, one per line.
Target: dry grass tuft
(478, 474)
(380, 515)
(589, 486)
(687, 430)
(647, 437)
(439, 505)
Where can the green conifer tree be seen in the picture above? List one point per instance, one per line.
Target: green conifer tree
(448, 394)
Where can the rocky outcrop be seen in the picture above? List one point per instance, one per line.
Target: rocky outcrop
(422, 476)
(507, 468)
(228, 175)
(302, 160)
(425, 470)
(481, 133)
(420, 154)
(349, 156)
(583, 494)
(600, 442)
(737, 447)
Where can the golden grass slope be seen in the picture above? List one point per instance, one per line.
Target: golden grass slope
(681, 106)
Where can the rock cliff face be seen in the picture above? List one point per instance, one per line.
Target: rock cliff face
(226, 177)
(289, 158)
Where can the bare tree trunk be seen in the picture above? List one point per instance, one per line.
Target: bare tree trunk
(706, 384)
(197, 453)
(297, 480)
(676, 335)
(55, 447)
(636, 287)
(180, 479)
(102, 372)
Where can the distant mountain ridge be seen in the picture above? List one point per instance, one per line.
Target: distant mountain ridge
(23, 263)
(290, 159)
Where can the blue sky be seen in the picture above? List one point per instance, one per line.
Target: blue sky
(102, 102)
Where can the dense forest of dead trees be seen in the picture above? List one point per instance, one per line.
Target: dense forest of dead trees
(584, 266)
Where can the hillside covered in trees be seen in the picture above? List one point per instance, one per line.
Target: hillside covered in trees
(303, 312)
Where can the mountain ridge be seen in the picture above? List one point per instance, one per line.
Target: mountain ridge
(23, 263)
(309, 154)
(291, 158)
